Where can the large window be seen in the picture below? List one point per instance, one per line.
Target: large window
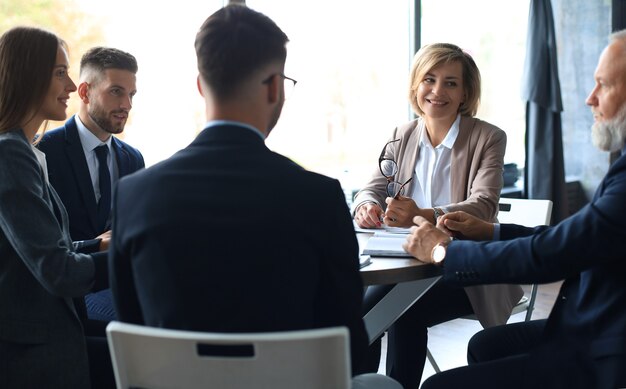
(351, 59)
(168, 111)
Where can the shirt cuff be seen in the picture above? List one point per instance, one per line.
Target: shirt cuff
(496, 231)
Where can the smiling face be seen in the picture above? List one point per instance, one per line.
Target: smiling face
(440, 92)
(61, 85)
(108, 100)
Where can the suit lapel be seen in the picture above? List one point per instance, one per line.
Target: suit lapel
(122, 158)
(407, 168)
(76, 155)
(460, 158)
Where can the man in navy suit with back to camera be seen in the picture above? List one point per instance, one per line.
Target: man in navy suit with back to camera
(582, 344)
(85, 161)
(214, 238)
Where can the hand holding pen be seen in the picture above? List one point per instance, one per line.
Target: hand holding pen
(400, 211)
(369, 215)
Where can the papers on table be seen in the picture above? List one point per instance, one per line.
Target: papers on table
(368, 230)
(387, 244)
(384, 228)
(364, 260)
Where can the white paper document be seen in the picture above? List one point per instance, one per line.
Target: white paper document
(386, 244)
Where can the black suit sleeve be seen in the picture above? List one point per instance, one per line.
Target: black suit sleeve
(100, 260)
(87, 246)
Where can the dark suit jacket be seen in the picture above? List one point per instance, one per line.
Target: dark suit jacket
(41, 337)
(228, 236)
(69, 175)
(587, 250)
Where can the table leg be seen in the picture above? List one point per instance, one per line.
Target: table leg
(394, 304)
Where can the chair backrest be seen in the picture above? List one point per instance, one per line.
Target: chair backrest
(529, 213)
(525, 212)
(148, 357)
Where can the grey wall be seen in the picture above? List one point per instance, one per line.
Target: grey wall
(582, 28)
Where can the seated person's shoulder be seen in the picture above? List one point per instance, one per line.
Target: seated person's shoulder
(129, 148)
(50, 137)
(486, 128)
(406, 129)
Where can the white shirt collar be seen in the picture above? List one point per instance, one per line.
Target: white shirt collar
(41, 158)
(213, 123)
(88, 140)
(450, 138)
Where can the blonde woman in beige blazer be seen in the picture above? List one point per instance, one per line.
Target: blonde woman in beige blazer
(444, 91)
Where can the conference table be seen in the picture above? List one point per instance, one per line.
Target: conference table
(411, 277)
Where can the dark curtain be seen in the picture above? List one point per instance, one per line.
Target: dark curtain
(544, 173)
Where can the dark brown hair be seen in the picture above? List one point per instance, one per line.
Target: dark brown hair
(27, 60)
(235, 42)
(99, 59)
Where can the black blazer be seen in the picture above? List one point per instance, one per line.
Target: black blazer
(41, 337)
(69, 175)
(587, 250)
(228, 236)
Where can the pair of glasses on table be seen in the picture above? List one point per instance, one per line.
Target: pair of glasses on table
(388, 167)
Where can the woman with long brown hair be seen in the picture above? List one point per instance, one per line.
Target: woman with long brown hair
(41, 336)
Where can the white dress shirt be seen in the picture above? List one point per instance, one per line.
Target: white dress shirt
(89, 142)
(432, 170)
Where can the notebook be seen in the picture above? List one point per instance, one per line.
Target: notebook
(386, 244)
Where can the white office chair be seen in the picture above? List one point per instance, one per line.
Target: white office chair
(155, 358)
(525, 212)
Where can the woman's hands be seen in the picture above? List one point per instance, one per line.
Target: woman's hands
(400, 213)
(368, 215)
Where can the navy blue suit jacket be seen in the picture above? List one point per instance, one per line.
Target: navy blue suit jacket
(228, 236)
(69, 175)
(587, 250)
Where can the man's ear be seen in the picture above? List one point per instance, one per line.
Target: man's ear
(199, 84)
(83, 89)
(273, 89)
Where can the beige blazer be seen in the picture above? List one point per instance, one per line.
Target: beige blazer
(476, 181)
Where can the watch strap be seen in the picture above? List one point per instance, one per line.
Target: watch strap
(436, 213)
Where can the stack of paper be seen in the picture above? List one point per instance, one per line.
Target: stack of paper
(387, 244)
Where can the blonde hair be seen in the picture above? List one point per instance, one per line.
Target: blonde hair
(433, 55)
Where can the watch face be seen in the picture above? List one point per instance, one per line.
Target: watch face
(439, 253)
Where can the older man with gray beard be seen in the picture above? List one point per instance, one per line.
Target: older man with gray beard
(582, 344)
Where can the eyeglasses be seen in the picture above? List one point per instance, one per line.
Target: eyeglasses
(388, 167)
(289, 87)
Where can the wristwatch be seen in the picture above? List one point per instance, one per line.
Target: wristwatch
(439, 252)
(437, 212)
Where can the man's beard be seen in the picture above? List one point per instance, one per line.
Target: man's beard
(610, 134)
(102, 120)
